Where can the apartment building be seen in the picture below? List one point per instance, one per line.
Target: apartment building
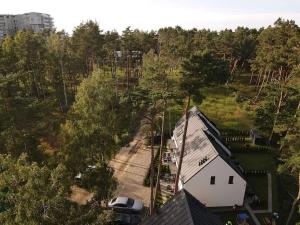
(10, 24)
(7, 25)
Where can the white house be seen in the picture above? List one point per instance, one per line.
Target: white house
(207, 171)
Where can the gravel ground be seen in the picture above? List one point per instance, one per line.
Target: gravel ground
(131, 165)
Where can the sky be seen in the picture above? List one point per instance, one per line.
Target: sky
(153, 14)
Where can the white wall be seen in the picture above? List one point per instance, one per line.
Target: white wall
(221, 193)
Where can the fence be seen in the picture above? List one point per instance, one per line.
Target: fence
(237, 133)
(234, 139)
(250, 148)
(255, 172)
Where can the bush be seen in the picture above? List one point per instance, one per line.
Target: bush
(147, 178)
(125, 139)
(165, 169)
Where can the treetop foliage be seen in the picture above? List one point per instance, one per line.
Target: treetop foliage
(69, 102)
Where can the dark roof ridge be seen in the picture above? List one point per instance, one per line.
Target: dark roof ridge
(183, 209)
(183, 191)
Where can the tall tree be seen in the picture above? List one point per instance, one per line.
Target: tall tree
(156, 85)
(87, 47)
(26, 184)
(276, 62)
(277, 55)
(58, 65)
(200, 70)
(292, 164)
(33, 194)
(94, 128)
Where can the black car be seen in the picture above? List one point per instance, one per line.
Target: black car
(126, 219)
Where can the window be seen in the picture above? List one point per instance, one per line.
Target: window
(212, 180)
(130, 202)
(230, 181)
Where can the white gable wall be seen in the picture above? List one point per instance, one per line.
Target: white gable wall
(221, 193)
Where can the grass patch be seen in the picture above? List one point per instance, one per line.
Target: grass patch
(261, 161)
(260, 186)
(221, 107)
(256, 161)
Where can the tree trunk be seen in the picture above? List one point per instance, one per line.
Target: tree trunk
(243, 65)
(257, 82)
(35, 85)
(295, 204)
(234, 66)
(170, 123)
(289, 129)
(128, 71)
(152, 167)
(250, 82)
(183, 144)
(157, 186)
(64, 83)
(276, 115)
(231, 77)
(260, 89)
(114, 75)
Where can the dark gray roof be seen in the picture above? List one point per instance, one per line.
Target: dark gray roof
(183, 209)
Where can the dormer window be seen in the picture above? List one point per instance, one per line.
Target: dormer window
(202, 161)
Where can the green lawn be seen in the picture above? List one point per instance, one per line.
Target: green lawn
(256, 161)
(221, 107)
(261, 161)
(260, 186)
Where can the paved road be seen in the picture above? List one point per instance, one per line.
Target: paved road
(131, 166)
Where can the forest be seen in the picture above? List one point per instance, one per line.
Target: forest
(70, 101)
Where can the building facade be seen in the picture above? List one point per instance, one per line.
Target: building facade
(207, 172)
(7, 25)
(11, 24)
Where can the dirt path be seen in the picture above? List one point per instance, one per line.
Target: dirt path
(131, 166)
(80, 195)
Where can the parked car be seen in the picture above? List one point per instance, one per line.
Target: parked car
(126, 204)
(122, 219)
(126, 219)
